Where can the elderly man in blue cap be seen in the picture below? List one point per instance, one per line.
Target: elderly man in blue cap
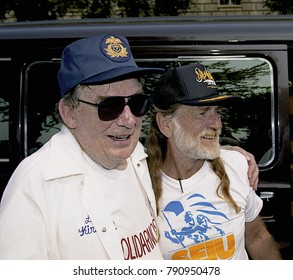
(87, 193)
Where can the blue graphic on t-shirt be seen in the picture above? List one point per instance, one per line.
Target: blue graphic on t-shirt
(198, 220)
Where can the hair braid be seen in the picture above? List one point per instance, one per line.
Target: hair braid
(156, 150)
(224, 185)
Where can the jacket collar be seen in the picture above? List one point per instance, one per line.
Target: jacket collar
(65, 157)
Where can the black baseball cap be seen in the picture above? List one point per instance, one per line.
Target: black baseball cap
(193, 85)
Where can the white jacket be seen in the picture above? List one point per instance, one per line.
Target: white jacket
(49, 199)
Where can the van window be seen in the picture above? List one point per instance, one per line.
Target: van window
(41, 96)
(249, 126)
(7, 88)
(4, 129)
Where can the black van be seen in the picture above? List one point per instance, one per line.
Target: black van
(250, 56)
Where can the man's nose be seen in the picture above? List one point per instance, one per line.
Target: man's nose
(215, 120)
(126, 117)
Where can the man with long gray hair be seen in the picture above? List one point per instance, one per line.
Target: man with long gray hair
(206, 207)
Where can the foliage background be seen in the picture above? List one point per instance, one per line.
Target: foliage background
(31, 10)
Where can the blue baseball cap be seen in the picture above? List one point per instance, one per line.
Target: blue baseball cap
(98, 60)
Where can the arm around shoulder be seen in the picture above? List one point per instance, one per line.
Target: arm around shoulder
(253, 171)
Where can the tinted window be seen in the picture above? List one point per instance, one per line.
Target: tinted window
(41, 95)
(249, 126)
(7, 88)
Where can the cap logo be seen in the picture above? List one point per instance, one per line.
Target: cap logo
(205, 77)
(115, 48)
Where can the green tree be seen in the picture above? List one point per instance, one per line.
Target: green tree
(170, 7)
(283, 7)
(98, 8)
(134, 8)
(29, 10)
(4, 7)
(33, 10)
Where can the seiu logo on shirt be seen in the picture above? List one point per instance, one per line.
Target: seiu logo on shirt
(87, 228)
(201, 236)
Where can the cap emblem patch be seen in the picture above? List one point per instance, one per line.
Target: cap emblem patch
(205, 77)
(115, 48)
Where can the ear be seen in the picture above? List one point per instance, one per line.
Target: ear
(165, 125)
(67, 114)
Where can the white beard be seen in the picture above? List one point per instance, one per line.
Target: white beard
(194, 147)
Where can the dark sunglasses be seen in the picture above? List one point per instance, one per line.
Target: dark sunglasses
(112, 107)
